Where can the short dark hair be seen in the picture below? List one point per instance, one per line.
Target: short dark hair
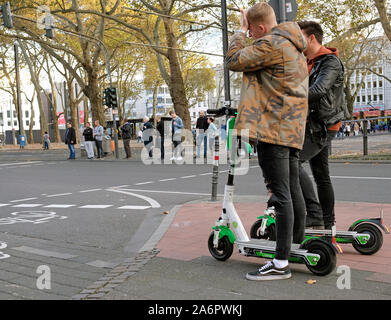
(312, 27)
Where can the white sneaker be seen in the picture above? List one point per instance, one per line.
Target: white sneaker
(172, 158)
(179, 158)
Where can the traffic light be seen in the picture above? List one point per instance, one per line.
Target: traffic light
(113, 97)
(106, 97)
(49, 33)
(7, 17)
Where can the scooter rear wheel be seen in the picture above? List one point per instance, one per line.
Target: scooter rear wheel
(224, 248)
(374, 243)
(270, 231)
(328, 258)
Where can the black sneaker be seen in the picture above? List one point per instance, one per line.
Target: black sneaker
(269, 272)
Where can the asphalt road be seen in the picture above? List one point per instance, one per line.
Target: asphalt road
(81, 218)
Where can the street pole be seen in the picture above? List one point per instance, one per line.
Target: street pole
(282, 11)
(112, 109)
(227, 97)
(364, 133)
(17, 86)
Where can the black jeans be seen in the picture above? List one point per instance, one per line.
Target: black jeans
(99, 148)
(280, 167)
(316, 152)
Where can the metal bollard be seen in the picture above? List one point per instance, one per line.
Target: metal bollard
(215, 175)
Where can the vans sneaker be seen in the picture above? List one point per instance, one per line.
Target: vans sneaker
(269, 272)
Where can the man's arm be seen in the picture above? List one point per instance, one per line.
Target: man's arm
(328, 74)
(244, 58)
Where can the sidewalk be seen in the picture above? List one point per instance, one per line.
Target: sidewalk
(176, 264)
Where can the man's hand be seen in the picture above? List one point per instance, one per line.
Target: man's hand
(243, 21)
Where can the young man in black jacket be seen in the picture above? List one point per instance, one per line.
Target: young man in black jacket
(70, 140)
(160, 138)
(326, 110)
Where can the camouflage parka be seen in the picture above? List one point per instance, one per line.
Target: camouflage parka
(274, 94)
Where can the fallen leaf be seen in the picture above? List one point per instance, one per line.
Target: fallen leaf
(311, 281)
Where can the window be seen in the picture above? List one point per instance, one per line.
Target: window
(358, 98)
(14, 114)
(380, 70)
(27, 122)
(374, 84)
(26, 113)
(363, 98)
(375, 97)
(380, 83)
(369, 98)
(15, 123)
(9, 123)
(8, 114)
(363, 85)
(369, 84)
(380, 97)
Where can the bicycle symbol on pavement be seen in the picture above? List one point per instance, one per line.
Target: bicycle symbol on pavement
(35, 217)
(3, 245)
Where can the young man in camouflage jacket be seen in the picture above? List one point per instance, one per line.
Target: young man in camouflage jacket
(273, 108)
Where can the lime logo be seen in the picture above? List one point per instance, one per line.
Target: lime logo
(235, 224)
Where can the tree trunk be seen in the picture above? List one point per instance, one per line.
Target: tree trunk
(95, 96)
(385, 21)
(176, 85)
(86, 113)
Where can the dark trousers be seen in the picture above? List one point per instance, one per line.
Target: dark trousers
(127, 148)
(99, 149)
(148, 145)
(316, 152)
(177, 148)
(160, 144)
(280, 168)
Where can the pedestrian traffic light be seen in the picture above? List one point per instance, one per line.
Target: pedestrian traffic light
(49, 33)
(106, 97)
(113, 97)
(7, 17)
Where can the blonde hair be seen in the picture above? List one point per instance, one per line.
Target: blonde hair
(261, 12)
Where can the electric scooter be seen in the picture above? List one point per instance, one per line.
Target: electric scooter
(365, 234)
(317, 254)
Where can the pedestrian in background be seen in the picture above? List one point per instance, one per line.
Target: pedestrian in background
(139, 136)
(88, 134)
(176, 125)
(126, 135)
(98, 137)
(70, 140)
(147, 135)
(46, 141)
(202, 125)
(212, 133)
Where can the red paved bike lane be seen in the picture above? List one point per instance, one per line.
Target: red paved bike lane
(187, 236)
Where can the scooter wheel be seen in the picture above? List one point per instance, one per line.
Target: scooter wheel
(270, 231)
(374, 243)
(328, 258)
(224, 248)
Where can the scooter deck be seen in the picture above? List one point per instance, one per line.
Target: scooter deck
(268, 245)
(343, 236)
(328, 232)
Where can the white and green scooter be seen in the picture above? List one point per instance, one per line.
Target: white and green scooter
(317, 254)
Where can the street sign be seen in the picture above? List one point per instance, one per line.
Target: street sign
(290, 9)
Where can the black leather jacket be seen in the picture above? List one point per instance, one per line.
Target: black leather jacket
(326, 97)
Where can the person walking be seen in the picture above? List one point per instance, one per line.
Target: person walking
(148, 135)
(272, 113)
(88, 134)
(176, 125)
(160, 138)
(98, 137)
(70, 140)
(202, 125)
(126, 135)
(139, 136)
(46, 141)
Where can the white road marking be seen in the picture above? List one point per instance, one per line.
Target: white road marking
(20, 200)
(4, 204)
(17, 163)
(141, 183)
(366, 178)
(187, 177)
(27, 205)
(58, 195)
(59, 206)
(96, 206)
(116, 187)
(151, 201)
(169, 179)
(205, 174)
(134, 207)
(91, 190)
(45, 253)
(171, 192)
